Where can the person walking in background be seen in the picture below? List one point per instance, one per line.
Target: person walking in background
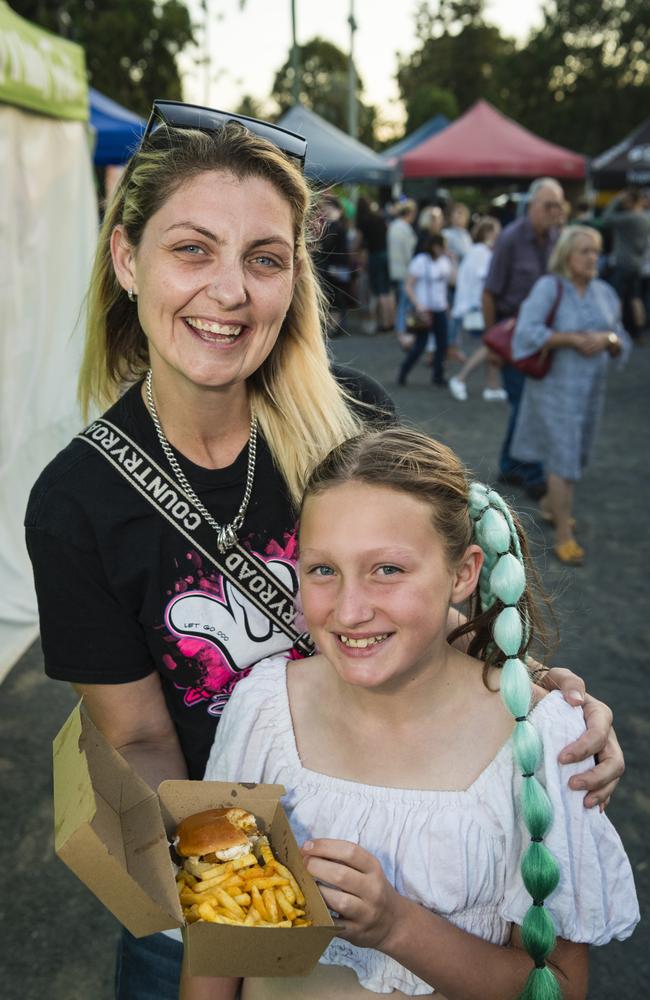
(426, 287)
(459, 243)
(372, 226)
(520, 257)
(467, 310)
(401, 241)
(431, 222)
(559, 414)
(627, 220)
(333, 260)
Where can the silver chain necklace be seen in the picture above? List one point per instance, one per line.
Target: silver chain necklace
(226, 533)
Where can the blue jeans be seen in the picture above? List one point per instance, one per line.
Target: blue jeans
(402, 303)
(148, 968)
(455, 327)
(439, 330)
(531, 473)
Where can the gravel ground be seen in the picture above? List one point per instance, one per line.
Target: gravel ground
(59, 941)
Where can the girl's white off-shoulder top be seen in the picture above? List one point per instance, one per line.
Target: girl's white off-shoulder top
(457, 853)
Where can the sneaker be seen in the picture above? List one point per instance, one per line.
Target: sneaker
(458, 389)
(494, 395)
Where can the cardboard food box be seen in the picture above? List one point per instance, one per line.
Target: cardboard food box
(114, 832)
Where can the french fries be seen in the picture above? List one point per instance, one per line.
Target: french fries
(255, 890)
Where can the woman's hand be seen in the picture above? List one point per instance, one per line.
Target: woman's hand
(591, 342)
(598, 741)
(353, 884)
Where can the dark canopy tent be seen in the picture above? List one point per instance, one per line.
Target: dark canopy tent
(118, 130)
(334, 157)
(624, 164)
(484, 144)
(430, 128)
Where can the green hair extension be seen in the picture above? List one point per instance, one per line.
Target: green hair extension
(503, 579)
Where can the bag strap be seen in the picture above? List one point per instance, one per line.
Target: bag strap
(550, 319)
(246, 571)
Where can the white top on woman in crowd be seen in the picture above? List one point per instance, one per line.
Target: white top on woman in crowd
(472, 273)
(431, 281)
(401, 240)
(459, 241)
(455, 852)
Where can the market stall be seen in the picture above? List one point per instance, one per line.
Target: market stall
(485, 144)
(49, 226)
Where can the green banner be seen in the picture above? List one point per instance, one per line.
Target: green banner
(41, 71)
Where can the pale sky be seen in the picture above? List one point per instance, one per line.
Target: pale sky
(247, 47)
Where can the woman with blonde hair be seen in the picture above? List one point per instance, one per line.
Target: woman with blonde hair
(560, 413)
(163, 537)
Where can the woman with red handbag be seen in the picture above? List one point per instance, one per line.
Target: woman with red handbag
(559, 413)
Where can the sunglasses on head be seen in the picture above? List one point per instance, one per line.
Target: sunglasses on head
(176, 114)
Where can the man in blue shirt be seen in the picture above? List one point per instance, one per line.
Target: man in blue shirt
(520, 257)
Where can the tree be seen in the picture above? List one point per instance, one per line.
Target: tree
(459, 59)
(590, 64)
(428, 101)
(130, 45)
(250, 107)
(324, 87)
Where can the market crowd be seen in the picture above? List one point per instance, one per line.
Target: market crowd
(576, 285)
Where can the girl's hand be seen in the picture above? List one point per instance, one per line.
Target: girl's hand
(598, 741)
(353, 884)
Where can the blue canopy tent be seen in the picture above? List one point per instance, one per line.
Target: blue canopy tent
(432, 127)
(118, 130)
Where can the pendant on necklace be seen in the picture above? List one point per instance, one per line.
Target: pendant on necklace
(226, 538)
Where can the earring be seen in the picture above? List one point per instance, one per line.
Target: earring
(132, 295)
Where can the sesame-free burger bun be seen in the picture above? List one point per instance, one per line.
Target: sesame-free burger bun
(215, 832)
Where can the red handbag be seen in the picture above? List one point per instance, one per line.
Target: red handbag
(498, 339)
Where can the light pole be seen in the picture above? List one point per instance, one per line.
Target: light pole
(353, 109)
(295, 59)
(206, 52)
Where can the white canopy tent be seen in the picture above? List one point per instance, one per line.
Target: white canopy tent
(48, 209)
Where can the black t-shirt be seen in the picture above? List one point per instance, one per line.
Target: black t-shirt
(110, 571)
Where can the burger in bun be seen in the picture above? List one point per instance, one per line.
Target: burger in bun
(216, 835)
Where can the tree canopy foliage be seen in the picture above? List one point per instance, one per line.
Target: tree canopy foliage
(459, 59)
(324, 87)
(130, 45)
(582, 79)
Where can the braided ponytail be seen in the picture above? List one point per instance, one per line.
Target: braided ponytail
(503, 579)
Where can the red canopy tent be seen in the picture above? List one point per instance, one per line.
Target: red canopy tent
(484, 143)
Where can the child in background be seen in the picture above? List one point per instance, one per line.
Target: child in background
(427, 285)
(432, 811)
(468, 309)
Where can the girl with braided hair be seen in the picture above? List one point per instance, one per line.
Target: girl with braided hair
(423, 783)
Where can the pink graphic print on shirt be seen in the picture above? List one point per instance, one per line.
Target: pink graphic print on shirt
(215, 627)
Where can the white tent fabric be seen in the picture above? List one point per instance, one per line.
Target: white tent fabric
(48, 209)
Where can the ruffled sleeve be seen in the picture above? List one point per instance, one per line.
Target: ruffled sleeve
(595, 900)
(238, 752)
